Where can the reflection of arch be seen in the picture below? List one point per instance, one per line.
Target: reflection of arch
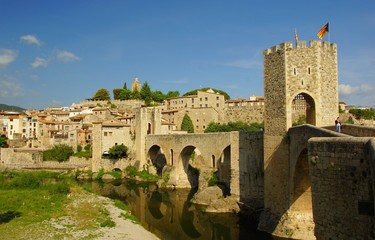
(304, 104)
(157, 157)
(154, 205)
(302, 200)
(224, 169)
(188, 155)
(116, 170)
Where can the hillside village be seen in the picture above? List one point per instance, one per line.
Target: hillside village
(74, 125)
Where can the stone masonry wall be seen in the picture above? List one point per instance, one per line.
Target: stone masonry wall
(341, 173)
(251, 169)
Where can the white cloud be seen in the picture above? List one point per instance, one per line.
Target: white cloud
(347, 90)
(66, 56)
(7, 56)
(31, 39)
(39, 62)
(10, 87)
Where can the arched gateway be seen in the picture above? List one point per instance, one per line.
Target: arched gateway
(300, 83)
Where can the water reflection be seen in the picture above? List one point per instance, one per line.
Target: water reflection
(171, 216)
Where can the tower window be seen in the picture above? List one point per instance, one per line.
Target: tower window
(294, 71)
(309, 70)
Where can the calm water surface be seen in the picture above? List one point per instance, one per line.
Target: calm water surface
(170, 216)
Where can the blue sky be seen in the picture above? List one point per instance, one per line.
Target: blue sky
(54, 53)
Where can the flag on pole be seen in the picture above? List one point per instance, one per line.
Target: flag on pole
(323, 31)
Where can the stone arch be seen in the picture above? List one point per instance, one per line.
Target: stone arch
(189, 156)
(301, 192)
(156, 156)
(303, 104)
(224, 170)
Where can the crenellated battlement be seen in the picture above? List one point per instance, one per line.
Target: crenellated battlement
(301, 44)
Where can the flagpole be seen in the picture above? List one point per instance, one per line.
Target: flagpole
(329, 32)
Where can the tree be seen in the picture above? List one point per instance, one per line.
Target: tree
(124, 87)
(195, 92)
(233, 126)
(158, 96)
(187, 124)
(172, 94)
(125, 94)
(116, 93)
(102, 94)
(118, 151)
(145, 91)
(60, 153)
(3, 141)
(136, 95)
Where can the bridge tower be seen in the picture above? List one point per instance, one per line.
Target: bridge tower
(148, 121)
(297, 81)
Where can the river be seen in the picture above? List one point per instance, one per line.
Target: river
(170, 215)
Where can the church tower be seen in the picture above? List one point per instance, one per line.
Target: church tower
(136, 85)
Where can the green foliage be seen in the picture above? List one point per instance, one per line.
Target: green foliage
(118, 151)
(214, 180)
(172, 94)
(102, 94)
(158, 96)
(87, 147)
(5, 107)
(233, 126)
(84, 154)
(195, 92)
(100, 174)
(301, 120)
(145, 91)
(132, 172)
(121, 205)
(187, 124)
(136, 95)
(125, 94)
(3, 141)
(79, 148)
(363, 113)
(116, 93)
(59, 153)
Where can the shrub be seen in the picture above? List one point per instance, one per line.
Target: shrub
(187, 124)
(118, 151)
(59, 153)
(233, 126)
(87, 147)
(79, 148)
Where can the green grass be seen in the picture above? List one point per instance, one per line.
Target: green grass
(128, 214)
(29, 201)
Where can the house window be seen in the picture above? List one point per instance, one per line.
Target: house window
(110, 133)
(217, 105)
(217, 98)
(105, 134)
(206, 98)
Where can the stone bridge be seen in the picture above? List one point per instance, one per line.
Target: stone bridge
(327, 182)
(233, 157)
(318, 174)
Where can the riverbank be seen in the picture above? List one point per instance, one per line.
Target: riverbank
(78, 202)
(47, 205)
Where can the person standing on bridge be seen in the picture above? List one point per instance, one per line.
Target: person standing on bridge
(338, 124)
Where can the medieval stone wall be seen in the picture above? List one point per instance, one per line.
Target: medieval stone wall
(342, 177)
